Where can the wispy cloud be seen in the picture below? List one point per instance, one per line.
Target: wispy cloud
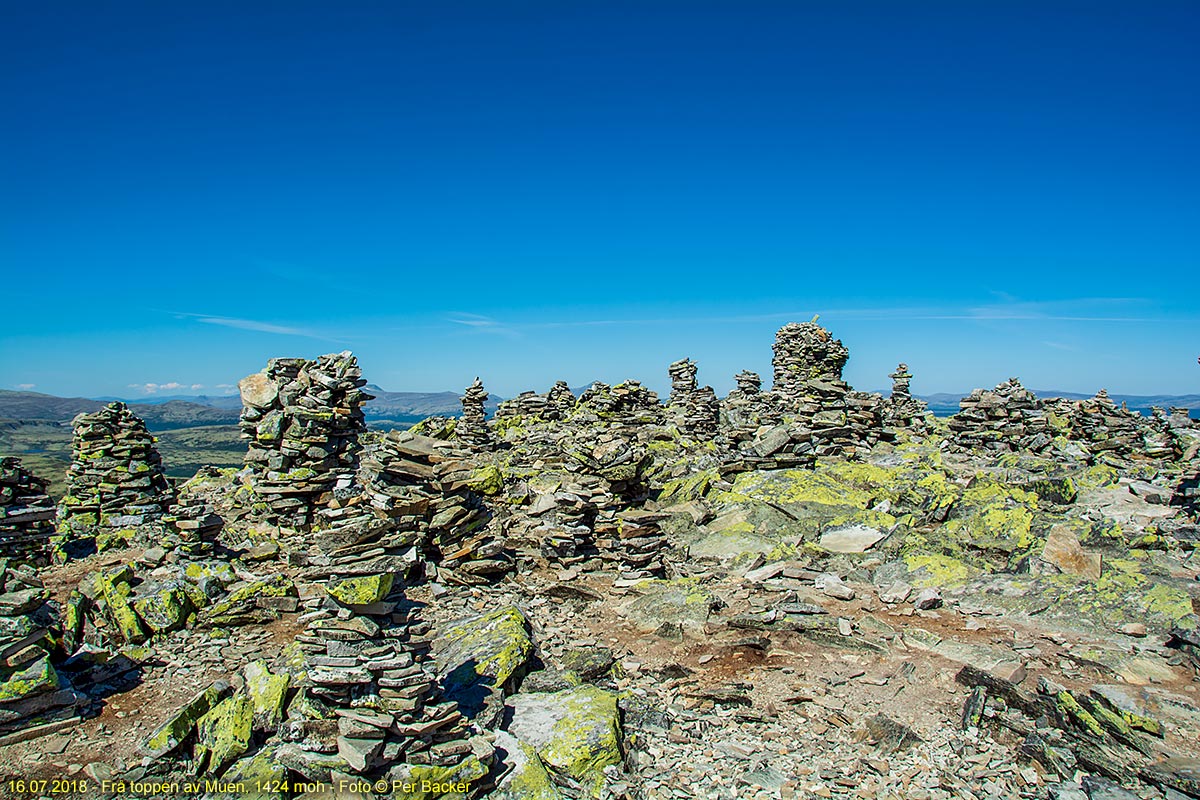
(25, 387)
(1060, 346)
(169, 386)
(261, 326)
(485, 325)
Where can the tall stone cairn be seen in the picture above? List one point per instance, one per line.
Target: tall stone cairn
(560, 400)
(472, 427)
(902, 410)
(116, 477)
(694, 410)
(303, 419)
(808, 366)
(26, 514)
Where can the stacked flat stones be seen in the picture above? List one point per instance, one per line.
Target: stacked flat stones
(420, 487)
(472, 428)
(902, 410)
(1105, 427)
(635, 545)
(196, 524)
(379, 705)
(694, 410)
(26, 514)
(561, 522)
(303, 419)
(116, 477)
(808, 366)
(555, 405)
(31, 689)
(560, 401)
(1009, 417)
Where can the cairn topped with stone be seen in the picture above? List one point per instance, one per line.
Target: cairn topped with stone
(303, 419)
(472, 427)
(1008, 417)
(808, 364)
(116, 476)
(902, 410)
(694, 410)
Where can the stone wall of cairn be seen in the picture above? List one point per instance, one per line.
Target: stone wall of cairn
(692, 409)
(196, 525)
(421, 489)
(472, 429)
(555, 405)
(1101, 425)
(627, 403)
(367, 660)
(808, 366)
(26, 515)
(116, 477)
(303, 419)
(35, 692)
(903, 411)
(1009, 417)
(633, 543)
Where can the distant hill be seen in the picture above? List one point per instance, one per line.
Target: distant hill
(158, 416)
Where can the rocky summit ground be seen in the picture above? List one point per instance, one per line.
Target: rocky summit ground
(610, 597)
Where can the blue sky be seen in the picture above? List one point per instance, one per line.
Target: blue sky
(529, 191)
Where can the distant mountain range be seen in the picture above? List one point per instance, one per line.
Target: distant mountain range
(180, 411)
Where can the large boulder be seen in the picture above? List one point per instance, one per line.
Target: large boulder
(576, 732)
(482, 658)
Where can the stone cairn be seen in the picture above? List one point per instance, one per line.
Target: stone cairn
(628, 403)
(373, 699)
(555, 405)
(560, 401)
(472, 427)
(421, 488)
(693, 410)
(1009, 417)
(303, 419)
(34, 691)
(634, 543)
(1103, 426)
(116, 477)
(26, 514)
(808, 366)
(196, 524)
(561, 522)
(902, 410)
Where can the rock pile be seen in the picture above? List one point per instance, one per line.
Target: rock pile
(303, 419)
(834, 419)
(196, 524)
(116, 477)
(902, 410)
(372, 706)
(560, 401)
(1009, 417)
(32, 691)
(26, 514)
(1103, 426)
(635, 544)
(472, 427)
(425, 492)
(808, 366)
(694, 410)
(627, 403)
(561, 521)
(555, 405)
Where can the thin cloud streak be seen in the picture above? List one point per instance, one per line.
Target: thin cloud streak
(257, 326)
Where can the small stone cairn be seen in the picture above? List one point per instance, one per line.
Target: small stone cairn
(902, 410)
(303, 419)
(1007, 418)
(472, 427)
(116, 477)
(26, 515)
(694, 410)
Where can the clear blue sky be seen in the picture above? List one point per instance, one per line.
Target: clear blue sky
(530, 191)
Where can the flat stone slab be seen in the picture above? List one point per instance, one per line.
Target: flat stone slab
(851, 539)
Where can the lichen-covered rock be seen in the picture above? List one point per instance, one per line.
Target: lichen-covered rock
(268, 695)
(576, 732)
(527, 778)
(117, 596)
(165, 609)
(230, 611)
(487, 480)
(37, 678)
(363, 590)
(681, 601)
(223, 734)
(171, 733)
(261, 777)
(481, 655)
(427, 782)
